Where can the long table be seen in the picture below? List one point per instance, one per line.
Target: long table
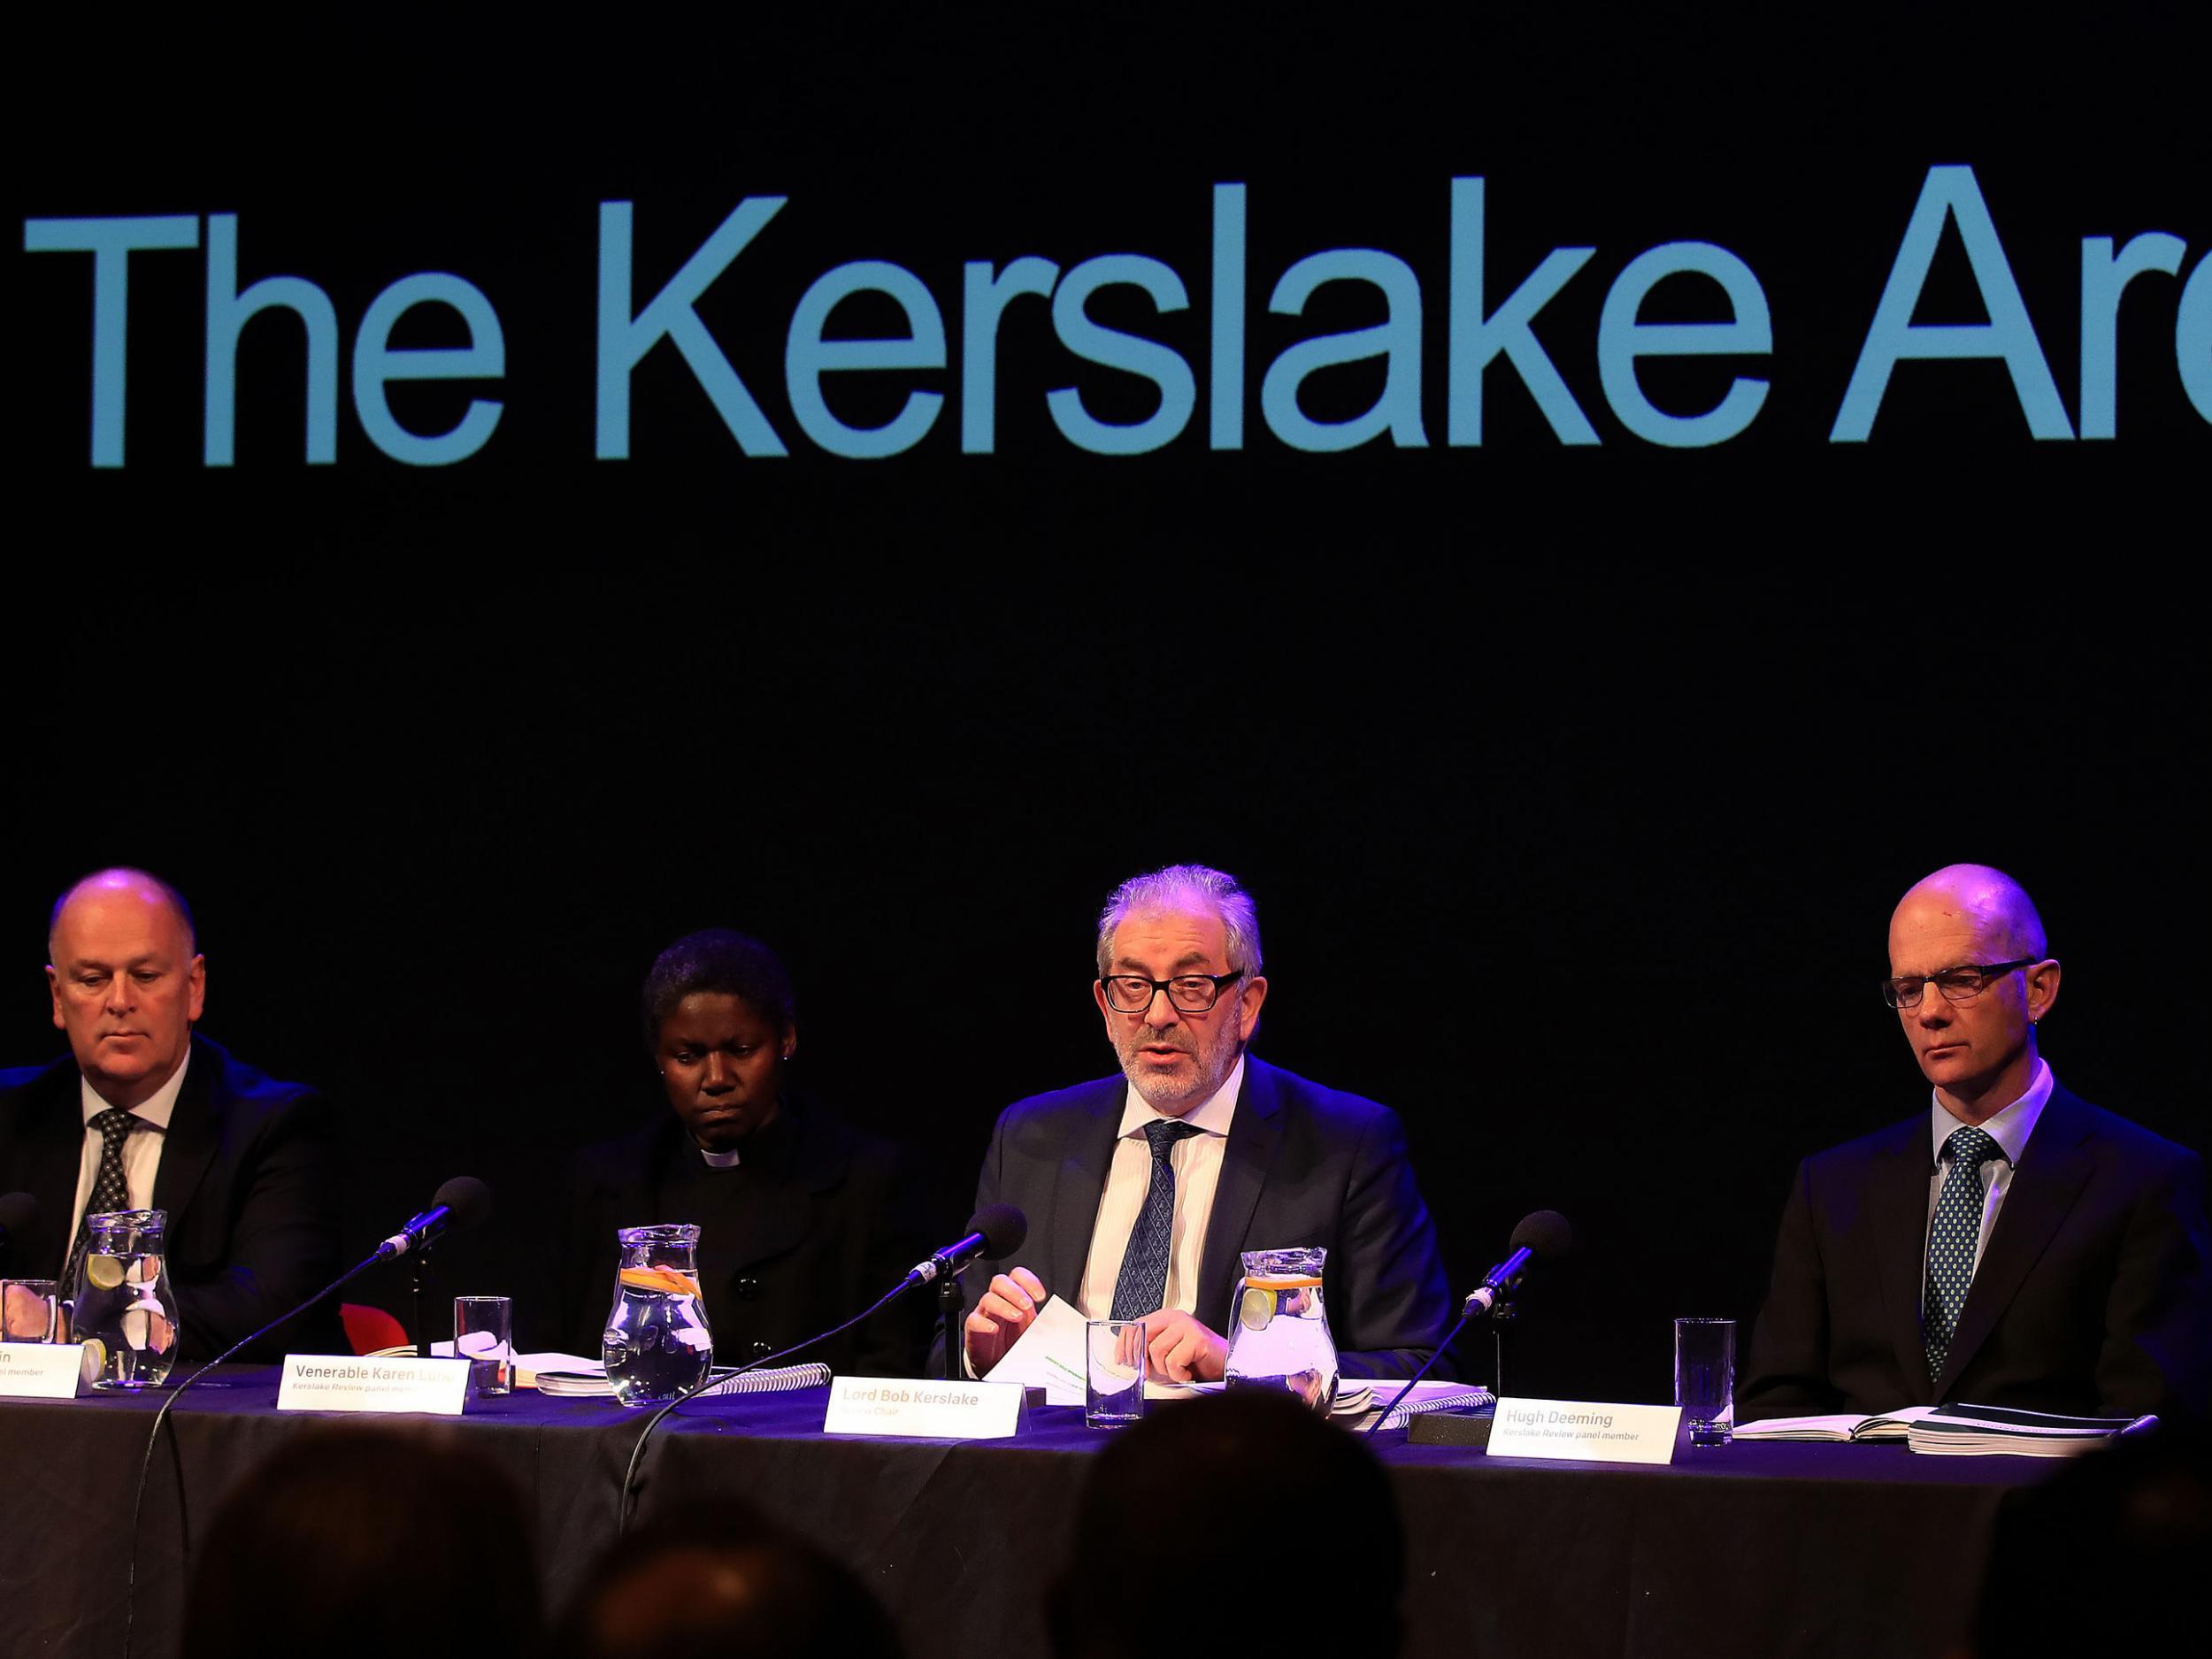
(1762, 1550)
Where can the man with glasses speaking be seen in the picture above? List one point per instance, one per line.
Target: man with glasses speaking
(2010, 1246)
(1142, 1190)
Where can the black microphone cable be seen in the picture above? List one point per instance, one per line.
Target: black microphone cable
(996, 1231)
(468, 1199)
(145, 1463)
(629, 1477)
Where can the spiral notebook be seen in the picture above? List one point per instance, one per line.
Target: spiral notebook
(582, 1383)
(1426, 1396)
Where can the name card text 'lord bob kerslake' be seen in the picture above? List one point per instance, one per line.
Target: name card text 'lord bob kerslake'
(925, 1410)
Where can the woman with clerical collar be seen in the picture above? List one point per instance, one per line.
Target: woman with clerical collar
(803, 1221)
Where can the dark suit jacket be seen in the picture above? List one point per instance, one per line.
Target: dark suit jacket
(248, 1176)
(2092, 1295)
(1304, 1165)
(829, 1222)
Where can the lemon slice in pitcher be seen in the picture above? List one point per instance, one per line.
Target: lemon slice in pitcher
(103, 1272)
(1256, 1307)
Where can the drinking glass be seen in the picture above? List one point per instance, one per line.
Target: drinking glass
(28, 1310)
(1705, 1378)
(483, 1334)
(1113, 1372)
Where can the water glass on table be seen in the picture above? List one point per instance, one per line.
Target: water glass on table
(1113, 1372)
(28, 1310)
(1705, 1378)
(483, 1334)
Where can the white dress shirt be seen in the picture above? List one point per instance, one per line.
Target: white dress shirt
(1196, 1161)
(2010, 1129)
(142, 1151)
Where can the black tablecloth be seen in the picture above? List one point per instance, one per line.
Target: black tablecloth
(1758, 1550)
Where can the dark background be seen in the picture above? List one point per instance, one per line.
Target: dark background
(1575, 787)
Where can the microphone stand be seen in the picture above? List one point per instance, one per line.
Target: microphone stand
(1499, 1308)
(418, 1278)
(949, 1304)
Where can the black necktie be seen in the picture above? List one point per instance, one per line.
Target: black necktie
(110, 1190)
(1143, 1283)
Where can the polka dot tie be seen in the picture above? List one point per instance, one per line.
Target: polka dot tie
(1142, 1285)
(1951, 1236)
(110, 1190)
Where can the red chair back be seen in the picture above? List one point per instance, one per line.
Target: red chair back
(369, 1329)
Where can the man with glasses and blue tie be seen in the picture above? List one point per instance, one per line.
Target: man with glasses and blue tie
(1142, 1190)
(2010, 1246)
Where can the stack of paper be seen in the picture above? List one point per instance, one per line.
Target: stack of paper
(1954, 1430)
(1965, 1430)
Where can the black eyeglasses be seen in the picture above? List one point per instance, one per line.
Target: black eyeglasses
(1961, 984)
(1188, 993)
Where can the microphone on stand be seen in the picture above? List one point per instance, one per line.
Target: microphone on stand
(996, 1232)
(461, 1203)
(1544, 1235)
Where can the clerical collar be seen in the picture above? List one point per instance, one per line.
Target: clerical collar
(761, 1142)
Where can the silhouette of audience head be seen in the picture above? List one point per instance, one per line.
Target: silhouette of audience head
(368, 1540)
(723, 1584)
(2105, 1556)
(1304, 1549)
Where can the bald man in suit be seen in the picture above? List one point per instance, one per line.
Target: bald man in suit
(244, 1166)
(2011, 1245)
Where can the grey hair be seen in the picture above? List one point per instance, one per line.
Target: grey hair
(1176, 884)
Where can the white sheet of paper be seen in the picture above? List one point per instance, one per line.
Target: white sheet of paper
(1048, 1355)
(529, 1365)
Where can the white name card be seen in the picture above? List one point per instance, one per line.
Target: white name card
(925, 1410)
(1584, 1430)
(40, 1371)
(337, 1382)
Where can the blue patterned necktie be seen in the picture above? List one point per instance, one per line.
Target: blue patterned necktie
(111, 1190)
(1951, 1236)
(1142, 1286)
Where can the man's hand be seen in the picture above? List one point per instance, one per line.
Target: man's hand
(1182, 1349)
(1006, 1310)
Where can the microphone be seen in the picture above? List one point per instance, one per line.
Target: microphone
(995, 1231)
(461, 1203)
(19, 1219)
(1542, 1235)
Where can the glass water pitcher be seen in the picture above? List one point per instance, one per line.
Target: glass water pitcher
(123, 1310)
(657, 1343)
(1278, 1331)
